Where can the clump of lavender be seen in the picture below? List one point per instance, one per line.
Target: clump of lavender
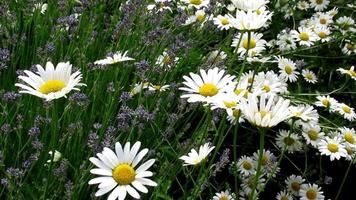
(34, 131)
(223, 161)
(125, 96)
(4, 58)
(155, 35)
(11, 97)
(68, 190)
(93, 141)
(39, 120)
(14, 172)
(142, 67)
(61, 171)
(38, 145)
(6, 128)
(79, 99)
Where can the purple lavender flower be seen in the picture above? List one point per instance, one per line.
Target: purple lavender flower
(11, 97)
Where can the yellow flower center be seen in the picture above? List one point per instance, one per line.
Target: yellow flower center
(249, 45)
(200, 18)
(350, 47)
(258, 11)
(319, 2)
(264, 160)
(236, 113)
(309, 76)
(349, 137)
(266, 88)
(166, 60)
(288, 141)
(326, 102)
(346, 109)
(195, 2)
(311, 194)
(224, 21)
(157, 87)
(304, 36)
(322, 35)
(230, 104)
(247, 165)
(124, 174)
(224, 198)
(295, 186)
(288, 69)
(322, 21)
(284, 198)
(313, 135)
(333, 148)
(352, 73)
(263, 113)
(51, 86)
(208, 90)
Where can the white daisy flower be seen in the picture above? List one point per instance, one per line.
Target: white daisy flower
(311, 192)
(158, 88)
(114, 58)
(351, 72)
(265, 111)
(249, 5)
(254, 47)
(303, 5)
(294, 184)
(120, 173)
(56, 157)
(323, 33)
(306, 113)
(333, 12)
(202, 88)
(227, 101)
(349, 48)
(223, 22)
(346, 24)
(323, 19)
(268, 159)
(249, 20)
(312, 134)
(200, 17)
(51, 83)
(223, 195)
(138, 87)
(346, 111)
(194, 157)
(332, 147)
(287, 70)
(246, 166)
(285, 41)
(166, 60)
(304, 36)
(309, 76)
(348, 135)
(326, 102)
(319, 5)
(42, 7)
(198, 4)
(269, 84)
(289, 141)
(351, 152)
(159, 6)
(216, 56)
(284, 195)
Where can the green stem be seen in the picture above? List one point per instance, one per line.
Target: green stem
(259, 165)
(344, 179)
